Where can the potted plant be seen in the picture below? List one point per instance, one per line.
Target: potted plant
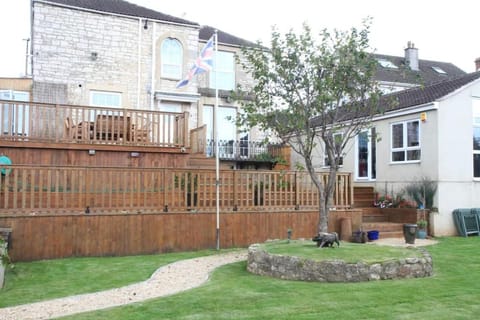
(422, 229)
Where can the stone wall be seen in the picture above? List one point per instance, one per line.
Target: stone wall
(294, 268)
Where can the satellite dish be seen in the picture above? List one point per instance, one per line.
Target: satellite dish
(5, 161)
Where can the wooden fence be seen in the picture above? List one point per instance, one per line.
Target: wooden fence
(43, 122)
(47, 189)
(36, 237)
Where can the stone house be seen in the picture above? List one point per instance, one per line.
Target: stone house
(117, 54)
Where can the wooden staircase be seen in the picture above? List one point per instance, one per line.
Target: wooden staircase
(363, 197)
(373, 219)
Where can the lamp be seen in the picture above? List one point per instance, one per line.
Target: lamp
(145, 26)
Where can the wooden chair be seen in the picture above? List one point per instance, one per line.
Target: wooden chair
(70, 129)
(140, 135)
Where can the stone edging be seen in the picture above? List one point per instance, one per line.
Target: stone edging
(294, 268)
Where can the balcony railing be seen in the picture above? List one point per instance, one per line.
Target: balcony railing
(245, 150)
(42, 122)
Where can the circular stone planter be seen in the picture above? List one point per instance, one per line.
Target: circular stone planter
(294, 268)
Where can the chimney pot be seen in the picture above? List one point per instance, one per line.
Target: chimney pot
(477, 64)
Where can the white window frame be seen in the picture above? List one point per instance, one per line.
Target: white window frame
(370, 163)
(405, 148)
(20, 114)
(106, 94)
(476, 125)
(325, 156)
(171, 54)
(224, 70)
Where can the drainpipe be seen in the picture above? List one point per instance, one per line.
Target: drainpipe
(152, 90)
(138, 60)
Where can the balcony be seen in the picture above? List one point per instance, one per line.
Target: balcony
(239, 150)
(55, 123)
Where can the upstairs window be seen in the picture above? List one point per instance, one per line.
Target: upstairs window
(405, 141)
(224, 70)
(105, 99)
(172, 59)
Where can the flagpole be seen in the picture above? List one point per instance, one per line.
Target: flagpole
(217, 151)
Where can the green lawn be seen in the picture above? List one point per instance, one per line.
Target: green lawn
(47, 279)
(348, 252)
(233, 293)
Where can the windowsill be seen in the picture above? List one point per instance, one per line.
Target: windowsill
(405, 162)
(361, 179)
(170, 78)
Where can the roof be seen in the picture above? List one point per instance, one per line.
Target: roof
(419, 95)
(121, 7)
(206, 33)
(427, 94)
(426, 75)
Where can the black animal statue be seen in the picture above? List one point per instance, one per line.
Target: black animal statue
(325, 239)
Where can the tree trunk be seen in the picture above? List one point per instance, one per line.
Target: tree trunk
(322, 201)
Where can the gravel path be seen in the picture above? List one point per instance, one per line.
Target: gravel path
(170, 279)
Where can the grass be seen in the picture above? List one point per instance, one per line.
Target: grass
(233, 293)
(348, 252)
(48, 279)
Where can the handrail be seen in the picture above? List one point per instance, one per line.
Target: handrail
(43, 122)
(46, 189)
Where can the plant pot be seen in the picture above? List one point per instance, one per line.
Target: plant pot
(421, 234)
(409, 232)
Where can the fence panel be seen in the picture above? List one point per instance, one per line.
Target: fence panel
(86, 190)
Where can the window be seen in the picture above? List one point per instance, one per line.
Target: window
(225, 71)
(172, 58)
(337, 137)
(406, 141)
(15, 118)
(476, 139)
(366, 155)
(439, 70)
(227, 130)
(387, 63)
(105, 99)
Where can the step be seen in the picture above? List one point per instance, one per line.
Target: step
(363, 197)
(382, 226)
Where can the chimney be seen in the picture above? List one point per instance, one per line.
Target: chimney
(411, 56)
(477, 64)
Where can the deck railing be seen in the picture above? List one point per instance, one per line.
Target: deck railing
(41, 189)
(42, 122)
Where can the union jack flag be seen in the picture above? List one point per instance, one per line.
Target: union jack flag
(203, 63)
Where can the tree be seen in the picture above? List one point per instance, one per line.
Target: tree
(305, 93)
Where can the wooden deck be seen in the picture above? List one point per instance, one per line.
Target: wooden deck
(55, 123)
(48, 189)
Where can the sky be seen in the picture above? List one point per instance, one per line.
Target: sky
(442, 30)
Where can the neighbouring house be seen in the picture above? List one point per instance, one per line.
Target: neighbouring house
(433, 131)
(396, 73)
(114, 54)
